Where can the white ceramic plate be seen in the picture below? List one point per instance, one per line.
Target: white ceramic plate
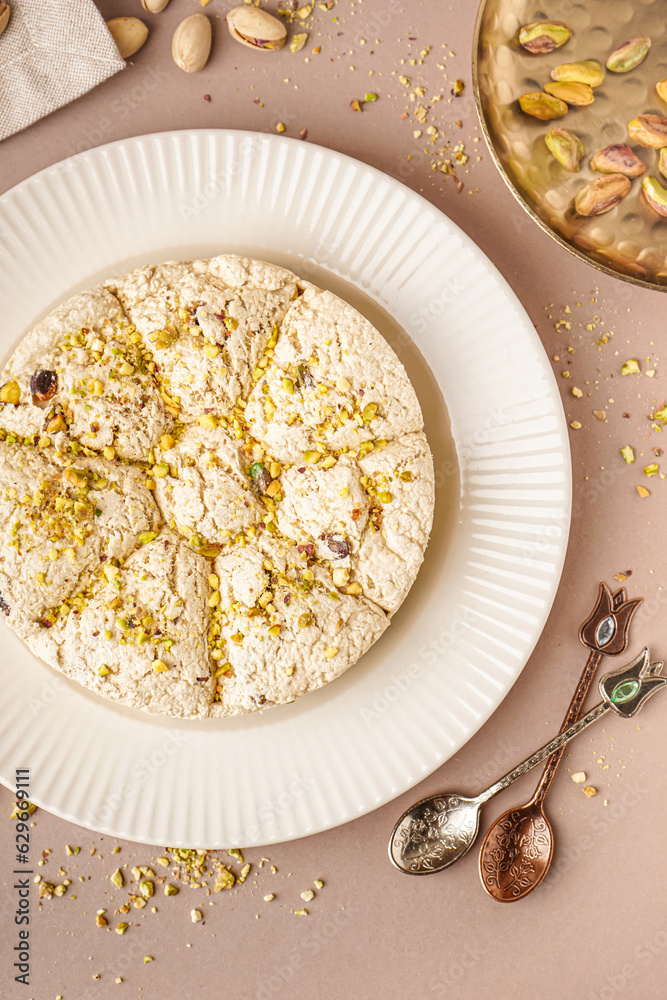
(502, 471)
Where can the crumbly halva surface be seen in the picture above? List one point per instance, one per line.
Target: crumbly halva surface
(215, 488)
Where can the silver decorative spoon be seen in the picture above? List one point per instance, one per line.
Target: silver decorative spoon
(435, 832)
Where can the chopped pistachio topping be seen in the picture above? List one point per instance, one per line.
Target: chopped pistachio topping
(630, 367)
(117, 878)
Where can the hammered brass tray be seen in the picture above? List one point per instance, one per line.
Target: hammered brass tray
(630, 242)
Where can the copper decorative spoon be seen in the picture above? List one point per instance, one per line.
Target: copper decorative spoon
(517, 850)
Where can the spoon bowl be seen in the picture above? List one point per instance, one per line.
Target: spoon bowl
(434, 833)
(516, 852)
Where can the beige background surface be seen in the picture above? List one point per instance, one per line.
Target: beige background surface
(597, 928)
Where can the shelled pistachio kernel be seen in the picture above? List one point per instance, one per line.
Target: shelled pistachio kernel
(298, 41)
(629, 55)
(542, 106)
(662, 162)
(566, 147)
(117, 878)
(618, 159)
(580, 94)
(602, 195)
(541, 37)
(655, 194)
(589, 71)
(10, 392)
(649, 131)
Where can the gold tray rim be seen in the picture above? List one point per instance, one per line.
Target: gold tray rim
(630, 279)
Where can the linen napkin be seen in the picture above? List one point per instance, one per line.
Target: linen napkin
(51, 52)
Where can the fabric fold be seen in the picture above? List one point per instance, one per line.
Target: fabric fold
(50, 54)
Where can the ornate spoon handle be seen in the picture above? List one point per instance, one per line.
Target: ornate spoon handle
(606, 633)
(572, 715)
(555, 744)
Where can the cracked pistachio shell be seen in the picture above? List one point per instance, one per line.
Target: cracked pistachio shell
(661, 87)
(618, 159)
(191, 44)
(649, 131)
(602, 194)
(256, 28)
(572, 93)
(5, 13)
(655, 194)
(154, 6)
(629, 55)
(540, 37)
(590, 71)
(662, 162)
(542, 106)
(566, 147)
(129, 34)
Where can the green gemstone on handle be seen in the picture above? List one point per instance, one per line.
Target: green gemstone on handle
(625, 691)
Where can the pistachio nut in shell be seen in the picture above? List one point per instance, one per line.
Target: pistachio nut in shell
(542, 106)
(618, 159)
(191, 44)
(602, 194)
(566, 147)
(154, 6)
(655, 194)
(129, 34)
(662, 162)
(572, 93)
(540, 37)
(256, 28)
(649, 131)
(629, 55)
(661, 87)
(589, 71)
(5, 14)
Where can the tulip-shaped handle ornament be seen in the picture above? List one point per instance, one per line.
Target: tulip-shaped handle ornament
(625, 690)
(607, 628)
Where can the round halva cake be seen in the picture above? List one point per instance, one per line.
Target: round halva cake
(215, 488)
